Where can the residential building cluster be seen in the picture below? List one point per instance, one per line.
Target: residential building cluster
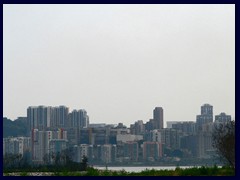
(54, 130)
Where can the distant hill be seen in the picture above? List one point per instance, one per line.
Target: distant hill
(14, 128)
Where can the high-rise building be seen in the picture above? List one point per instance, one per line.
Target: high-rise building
(79, 118)
(84, 119)
(16, 145)
(99, 135)
(40, 141)
(200, 144)
(158, 117)
(222, 118)
(205, 117)
(46, 117)
(152, 151)
(206, 109)
(150, 125)
(38, 117)
(187, 127)
(59, 117)
(155, 136)
(137, 128)
(108, 153)
(57, 146)
(170, 123)
(130, 150)
(32, 117)
(40, 145)
(82, 150)
(171, 138)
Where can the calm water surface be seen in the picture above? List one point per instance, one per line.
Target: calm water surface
(141, 168)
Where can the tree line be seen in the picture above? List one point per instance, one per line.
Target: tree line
(53, 162)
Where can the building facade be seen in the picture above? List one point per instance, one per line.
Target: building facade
(152, 151)
(205, 117)
(158, 117)
(222, 118)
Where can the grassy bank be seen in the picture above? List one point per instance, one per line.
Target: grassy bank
(196, 171)
(201, 171)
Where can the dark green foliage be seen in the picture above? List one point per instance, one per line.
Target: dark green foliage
(63, 164)
(224, 142)
(84, 163)
(92, 172)
(195, 171)
(202, 171)
(15, 161)
(23, 173)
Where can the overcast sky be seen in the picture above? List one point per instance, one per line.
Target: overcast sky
(119, 61)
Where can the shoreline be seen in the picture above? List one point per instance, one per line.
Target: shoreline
(156, 165)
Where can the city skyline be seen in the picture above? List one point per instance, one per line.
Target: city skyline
(58, 129)
(119, 61)
(50, 116)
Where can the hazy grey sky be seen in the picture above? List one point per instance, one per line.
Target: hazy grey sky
(119, 61)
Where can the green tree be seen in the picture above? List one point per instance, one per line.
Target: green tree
(224, 142)
(84, 163)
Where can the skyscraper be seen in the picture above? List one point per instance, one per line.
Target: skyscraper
(207, 109)
(205, 117)
(158, 118)
(222, 118)
(79, 118)
(59, 117)
(83, 117)
(38, 117)
(31, 117)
